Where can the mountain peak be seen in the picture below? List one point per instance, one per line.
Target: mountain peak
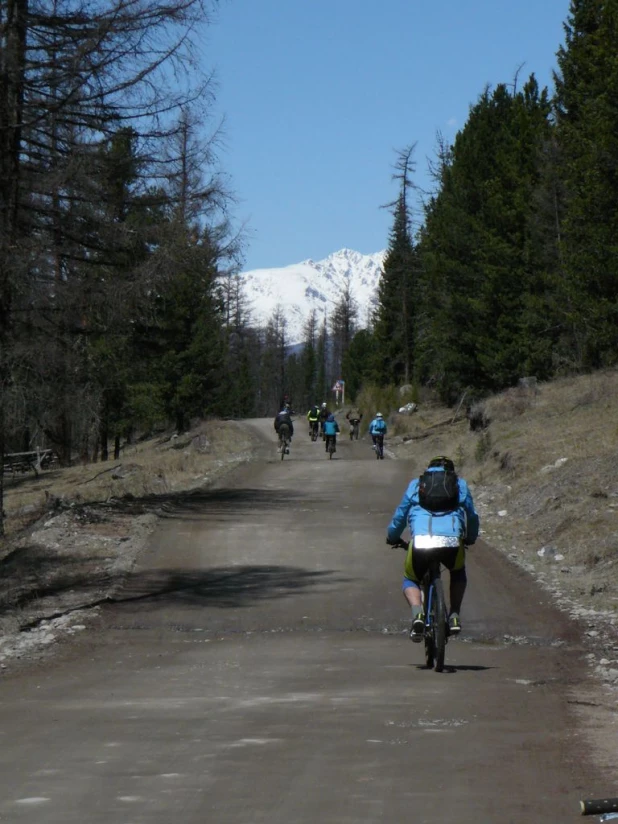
(300, 288)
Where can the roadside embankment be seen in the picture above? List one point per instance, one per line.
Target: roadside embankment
(75, 533)
(542, 469)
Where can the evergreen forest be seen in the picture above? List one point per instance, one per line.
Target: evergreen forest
(121, 304)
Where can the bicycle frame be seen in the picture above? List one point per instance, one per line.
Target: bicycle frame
(284, 440)
(379, 447)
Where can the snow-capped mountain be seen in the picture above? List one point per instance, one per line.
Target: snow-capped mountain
(318, 285)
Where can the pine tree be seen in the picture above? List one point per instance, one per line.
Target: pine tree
(309, 361)
(322, 380)
(394, 316)
(586, 103)
(343, 324)
(358, 362)
(476, 322)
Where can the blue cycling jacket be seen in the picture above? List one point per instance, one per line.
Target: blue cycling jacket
(377, 427)
(462, 523)
(331, 427)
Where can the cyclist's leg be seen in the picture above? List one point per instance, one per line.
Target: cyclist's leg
(456, 564)
(415, 569)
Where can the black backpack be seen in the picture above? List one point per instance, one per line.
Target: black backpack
(438, 490)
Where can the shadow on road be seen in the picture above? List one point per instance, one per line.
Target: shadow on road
(450, 669)
(204, 502)
(224, 587)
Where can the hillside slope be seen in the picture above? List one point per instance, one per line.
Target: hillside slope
(543, 475)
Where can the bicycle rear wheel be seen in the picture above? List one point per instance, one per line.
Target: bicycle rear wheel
(284, 446)
(438, 624)
(428, 603)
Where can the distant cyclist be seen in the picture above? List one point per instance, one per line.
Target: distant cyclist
(377, 428)
(324, 413)
(284, 425)
(354, 417)
(438, 505)
(331, 428)
(313, 416)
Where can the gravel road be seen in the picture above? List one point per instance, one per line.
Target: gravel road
(257, 669)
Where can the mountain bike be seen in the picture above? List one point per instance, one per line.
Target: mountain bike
(354, 429)
(331, 446)
(379, 447)
(284, 440)
(314, 427)
(436, 630)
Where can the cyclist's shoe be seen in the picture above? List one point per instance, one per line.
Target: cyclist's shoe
(418, 628)
(454, 624)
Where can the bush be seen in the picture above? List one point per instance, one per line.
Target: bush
(373, 398)
(483, 447)
(509, 404)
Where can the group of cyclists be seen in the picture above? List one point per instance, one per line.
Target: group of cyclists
(322, 423)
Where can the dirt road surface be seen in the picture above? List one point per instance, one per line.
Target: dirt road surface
(259, 670)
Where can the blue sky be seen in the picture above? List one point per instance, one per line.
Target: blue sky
(318, 95)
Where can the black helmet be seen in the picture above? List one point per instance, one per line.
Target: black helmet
(442, 461)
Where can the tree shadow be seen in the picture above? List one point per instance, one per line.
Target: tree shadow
(222, 587)
(200, 503)
(30, 575)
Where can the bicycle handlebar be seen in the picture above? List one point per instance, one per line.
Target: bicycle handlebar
(398, 544)
(596, 806)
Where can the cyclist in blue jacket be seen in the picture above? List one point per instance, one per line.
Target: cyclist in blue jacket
(377, 427)
(461, 523)
(331, 428)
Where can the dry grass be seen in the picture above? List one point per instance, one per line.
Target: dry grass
(157, 466)
(548, 459)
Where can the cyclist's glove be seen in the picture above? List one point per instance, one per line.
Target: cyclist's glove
(391, 542)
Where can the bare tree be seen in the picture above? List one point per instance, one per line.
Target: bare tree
(71, 76)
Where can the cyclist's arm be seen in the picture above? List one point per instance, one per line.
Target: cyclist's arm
(400, 518)
(472, 518)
